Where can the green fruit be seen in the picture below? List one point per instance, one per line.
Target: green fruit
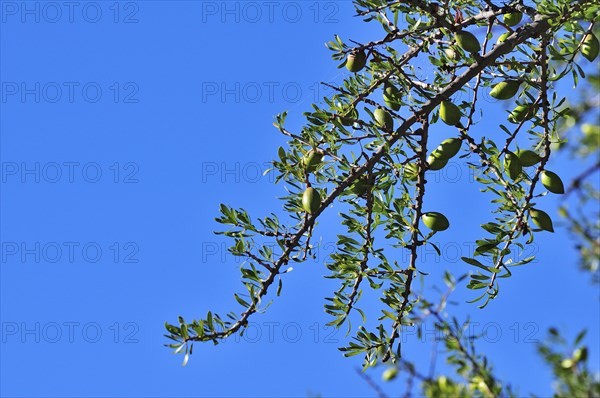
(312, 159)
(411, 171)
(451, 54)
(448, 148)
(528, 158)
(391, 97)
(590, 47)
(389, 374)
(522, 112)
(503, 37)
(552, 182)
(541, 220)
(311, 200)
(436, 162)
(505, 90)
(383, 119)
(512, 166)
(467, 41)
(435, 221)
(512, 18)
(356, 61)
(450, 113)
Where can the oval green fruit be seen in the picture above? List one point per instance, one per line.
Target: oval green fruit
(311, 200)
(448, 148)
(552, 182)
(467, 41)
(522, 112)
(541, 219)
(512, 165)
(356, 61)
(528, 158)
(391, 97)
(312, 159)
(450, 113)
(411, 171)
(451, 54)
(513, 18)
(435, 221)
(590, 47)
(505, 90)
(389, 374)
(383, 119)
(436, 162)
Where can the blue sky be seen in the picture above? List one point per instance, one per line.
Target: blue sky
(124, 125)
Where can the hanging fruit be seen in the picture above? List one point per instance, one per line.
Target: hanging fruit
(505, 90)
(383, 119)
(450, 113)
(391, 97)
(435, 221)
(513, 18)
(356, 61)
(311, 200)
(312, 159)
(552, 182)
(467, 41)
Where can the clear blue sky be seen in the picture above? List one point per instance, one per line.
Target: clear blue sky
(124, 125)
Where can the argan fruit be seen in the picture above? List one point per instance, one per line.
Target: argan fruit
(590, 47)
(451, 54)
(436, 162)
(311, 200)
(450, 113)
(513, 18)
(528, 158)
(467, 41)
(389, 374)
(356, 61)
(390, 97)
(435, 221)
(448, 148)
(541, 219)
(411, 171)
(383, 119)
(522, 112)
(312, 159)
(512, 165)
(505, 90)
(552, 182)
(502, 37)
